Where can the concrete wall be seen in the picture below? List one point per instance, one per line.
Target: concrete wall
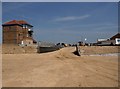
(15, 49)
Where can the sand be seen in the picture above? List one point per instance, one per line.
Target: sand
(59, 69)
(0, 66)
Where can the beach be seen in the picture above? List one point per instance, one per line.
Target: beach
(60, 69)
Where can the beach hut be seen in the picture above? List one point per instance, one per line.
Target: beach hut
(114, 40)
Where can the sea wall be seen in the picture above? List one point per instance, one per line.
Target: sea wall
(47, 49)
(99, 49)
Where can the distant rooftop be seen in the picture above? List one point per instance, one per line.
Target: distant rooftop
(115, 36)
(17, 22)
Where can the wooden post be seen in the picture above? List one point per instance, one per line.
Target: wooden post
(78, 50)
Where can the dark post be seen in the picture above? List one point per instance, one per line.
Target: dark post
(78, 50)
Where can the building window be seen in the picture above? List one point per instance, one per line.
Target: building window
(23, 26)
(27, 35)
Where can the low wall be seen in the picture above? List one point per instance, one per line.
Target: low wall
(15, 49)
(47, 49)
(99, 49)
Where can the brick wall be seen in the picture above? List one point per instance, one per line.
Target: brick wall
(14, 34)
(10, 34)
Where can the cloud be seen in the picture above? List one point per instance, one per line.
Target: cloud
(68, 18)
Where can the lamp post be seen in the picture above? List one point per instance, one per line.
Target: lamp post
(85, 40)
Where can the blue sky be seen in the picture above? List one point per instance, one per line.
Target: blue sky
(65, 22)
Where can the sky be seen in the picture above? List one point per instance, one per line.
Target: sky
(0, 23)
(67, 22)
